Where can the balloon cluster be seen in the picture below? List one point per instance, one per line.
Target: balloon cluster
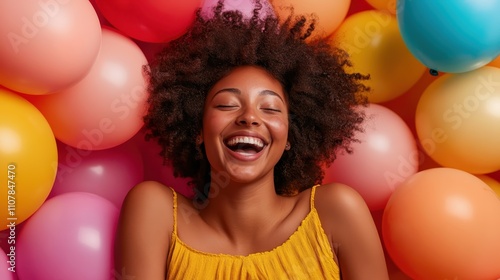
(72, 96)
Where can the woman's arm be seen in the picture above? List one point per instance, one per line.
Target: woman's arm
(144, 231)
(349, 225)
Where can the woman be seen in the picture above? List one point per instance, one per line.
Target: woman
(251, 110)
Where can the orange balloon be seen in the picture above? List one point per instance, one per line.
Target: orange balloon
(384, 5)
(495, 62)
(457, 120)
(444, 223)
(28, 158)
(46, 46)
(375, 46)
(104, 109)
(492, 183)
(330, 14)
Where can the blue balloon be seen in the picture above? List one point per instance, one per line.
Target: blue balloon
(451, 35)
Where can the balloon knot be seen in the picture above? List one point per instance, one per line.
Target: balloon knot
(433, 72)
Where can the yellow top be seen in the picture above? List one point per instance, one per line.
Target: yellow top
(305, 255)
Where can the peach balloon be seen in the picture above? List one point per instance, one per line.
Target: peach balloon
(46, 46)
(105, 109)
(376, 48)
(457, 120)
(385, 156)
(28, 156)
(444, 223)
(329, 14)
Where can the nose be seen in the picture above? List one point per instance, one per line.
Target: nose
(248, 117)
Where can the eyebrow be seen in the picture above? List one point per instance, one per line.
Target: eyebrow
(238, 92)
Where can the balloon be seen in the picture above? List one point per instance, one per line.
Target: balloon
(386, 155)
(46, 46)
(451, 36)
(109, 173)
(104, 109)
(375, 47)
(444, 223)
(329, 14)
(457, 120)
(150, 20)
(246, 8)
(384, 5)
(491, 182)
(28, 157)
(7, 265)
(70, 237)
(156, 170)
(495, 62)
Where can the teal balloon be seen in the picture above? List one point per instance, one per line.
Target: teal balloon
(451, 35)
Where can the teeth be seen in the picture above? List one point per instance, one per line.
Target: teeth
(245, 140)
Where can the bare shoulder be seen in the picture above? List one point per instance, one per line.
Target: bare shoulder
(349, 225)
(338, 206)
(144, 230)
(338, 197)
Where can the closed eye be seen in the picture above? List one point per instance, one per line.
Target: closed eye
(271, 110)
(225, 107)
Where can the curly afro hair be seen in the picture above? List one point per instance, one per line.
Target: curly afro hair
(323, 98)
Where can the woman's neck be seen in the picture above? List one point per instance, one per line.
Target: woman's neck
(244, 211)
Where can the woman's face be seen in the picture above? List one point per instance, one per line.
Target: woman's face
(245, 125)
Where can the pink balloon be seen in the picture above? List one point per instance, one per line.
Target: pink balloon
(109, 173)
(150, 20)
(385, 157)
(7, 264)
(155, 170)
(46, 46)
(104, 109)
(246, 8)
(70, 237)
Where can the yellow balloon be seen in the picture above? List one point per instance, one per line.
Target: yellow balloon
(28, 159)
(374, 43)
(492, 183)
(458, 120)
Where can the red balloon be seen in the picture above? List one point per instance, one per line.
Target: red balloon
(150, 20)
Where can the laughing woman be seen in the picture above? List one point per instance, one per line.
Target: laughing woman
(251, 110)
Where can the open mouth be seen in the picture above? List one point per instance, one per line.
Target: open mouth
(245, 144)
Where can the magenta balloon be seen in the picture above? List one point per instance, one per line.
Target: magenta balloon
(155, 170)
(109, 173)
(71, 236)
(385, 157)
(8, 264)
(246, 8)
